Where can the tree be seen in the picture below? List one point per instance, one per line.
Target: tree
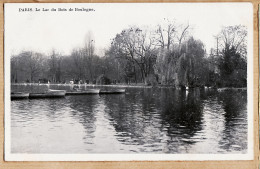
(35, 64)
(169, 36)
(235, 38)
(55, 66)
(78, 61)
(232, 59)
(135, 46)
(15, 68)
(232, 69)
(88, 55)
(170, 33)
(29, 64)
(192, 66)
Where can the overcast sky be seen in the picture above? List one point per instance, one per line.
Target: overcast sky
(43, 31)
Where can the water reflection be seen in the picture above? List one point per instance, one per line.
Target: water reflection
(235, 106)
(86, 109)
(140, 121)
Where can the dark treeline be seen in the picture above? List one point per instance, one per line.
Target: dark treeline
(165, 55)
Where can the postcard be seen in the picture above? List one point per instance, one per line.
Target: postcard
(124, 82)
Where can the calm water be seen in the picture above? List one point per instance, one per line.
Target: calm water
(140, 121)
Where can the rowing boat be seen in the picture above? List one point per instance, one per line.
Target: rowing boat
(49, 94)
(112, 91)
(83, 92)
(19, 95)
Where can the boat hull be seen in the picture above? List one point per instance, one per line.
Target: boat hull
(49, 94)
(117, 91)
(84, 92)
(19, 96)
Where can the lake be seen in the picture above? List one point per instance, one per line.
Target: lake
(143, 120)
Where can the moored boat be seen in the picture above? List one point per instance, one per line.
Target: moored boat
(19, 95)
(112, 91)
(83, 92)
(49, 94)
(231, 89)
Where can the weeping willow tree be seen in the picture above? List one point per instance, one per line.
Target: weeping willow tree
(169, 36)
(192, 65)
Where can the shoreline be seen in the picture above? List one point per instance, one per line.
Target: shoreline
(126, 86)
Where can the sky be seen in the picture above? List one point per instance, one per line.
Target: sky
(43, 31)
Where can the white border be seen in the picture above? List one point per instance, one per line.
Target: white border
(136, 157)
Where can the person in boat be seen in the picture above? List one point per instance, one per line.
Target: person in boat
(75, 88)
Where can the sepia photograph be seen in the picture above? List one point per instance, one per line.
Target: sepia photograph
(122, 82)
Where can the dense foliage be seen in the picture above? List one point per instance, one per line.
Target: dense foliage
(165, 55)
